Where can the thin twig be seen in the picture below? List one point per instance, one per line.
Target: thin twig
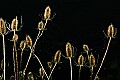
(70, 67)
(79, 72)
(21, 59)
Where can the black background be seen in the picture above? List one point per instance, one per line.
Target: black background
(78, 22)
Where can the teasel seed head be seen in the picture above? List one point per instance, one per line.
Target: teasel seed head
(15, 37)
(50, 65)
(68, 50)
(41, 25)
(30, 76)
(96, 78)
(28, 41)
(111, 31)
(85, 48)
(81, 60)
(14, 24)
(41, 72)
(22, 45)
(47, 13)
(57, 56)
(2, 27)
(91, 60)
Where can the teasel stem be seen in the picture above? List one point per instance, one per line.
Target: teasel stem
(21, 59)
(33, 47)
(52, 71)
(41, 65)
(104, 56)
(4, 54)
(70, 67)
(91, 70)
(79, 72)
(16, 59)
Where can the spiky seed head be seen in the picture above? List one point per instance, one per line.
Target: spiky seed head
(47, 13)
(15, 37)
(96, 78)
(14, 24)
(41, 25)
(68, 50)
(50, 65)
(57, 56)
(41, 72)
(22, 45)
(91, 60)
(30, 76)
(2, 27)
(85, 48)
(81, 60)
(111, 31)
(28, 41)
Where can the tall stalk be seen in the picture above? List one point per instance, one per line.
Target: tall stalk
(70, 67)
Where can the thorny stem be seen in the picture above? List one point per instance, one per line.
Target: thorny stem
(41, 65)
(103, 57)
(79, 72)
(4, 54)
(21, 59)
(70, 67)
(52, 71)
(33, 47)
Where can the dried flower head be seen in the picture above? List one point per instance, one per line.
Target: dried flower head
(41, 72)
(2, 27)
(96, 78)
(68, 50)
(92, 60)
(15, 37)
(22, 45)
(14, 24)
(30, 76)
(85, 48)
(47, 13)
(81, 60)
(28, 41)
(41, 25)
(50, 65)
(57, 56)
(111, 31)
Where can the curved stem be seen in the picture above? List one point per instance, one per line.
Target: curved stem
(41, 65)
(70, 67)
(103, 57)
(52, 71)
(21, 59)
(4, 54)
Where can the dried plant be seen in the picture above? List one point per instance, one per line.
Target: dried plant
(42, 73)
(30, 76)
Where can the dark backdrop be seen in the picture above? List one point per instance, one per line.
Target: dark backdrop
(78, 22)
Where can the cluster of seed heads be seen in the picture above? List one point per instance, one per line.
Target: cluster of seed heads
(2, 27)
(57, 56)
(68, 50)
(14, 24)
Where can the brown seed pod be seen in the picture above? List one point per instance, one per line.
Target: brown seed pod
(41, 25)
(85, 48)
(28, 41)
(57, 56)
(81, 60)
(68, 50)
(15, 37)
(111, 31)
(22, 45)
(47, 13)
(2, 27)
(14, 24)
(41, 72)
(92, 60)
(50, 65)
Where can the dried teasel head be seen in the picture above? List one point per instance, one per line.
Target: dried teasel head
(47, 13)
(30, 76)
(85, 48)
(68, 50)
(41, 25)
(96, 78)
(2, 27)
(14, 24)
(22, 45)
(41, 72)
(15, 37)
(111, 31)
(57, 56)
(50, 65)
(28, 41)
(91, 60)
(81, 60)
